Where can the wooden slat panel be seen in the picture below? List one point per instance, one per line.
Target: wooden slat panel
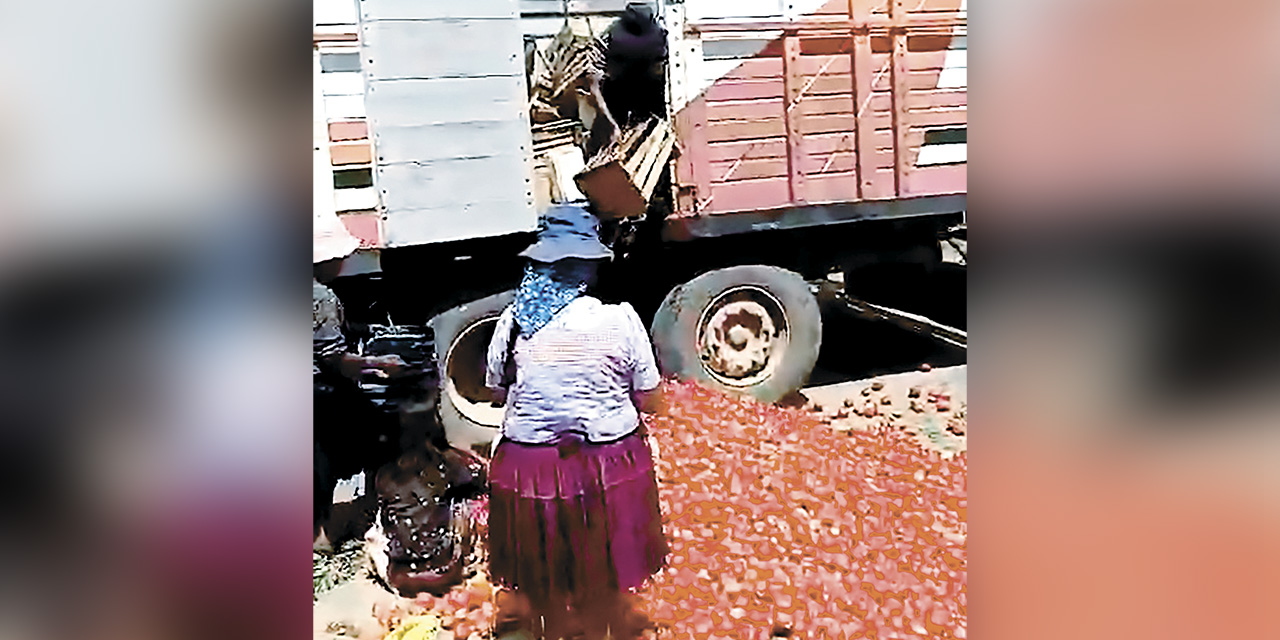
(748, 169)
(827, 84)
(822, 105)
(796, 86)
(744, 110)
(927, 61)
(936, 118)
(881, 103)
(871, 183)
(923, 181)
(730, 151)
(726, 130)
(824, 143)
(833, 188)
(941, 99)
(692, 167)
(827, 65)
(827, 123)
(745, 90)
(832, 162)
(899, 73)
(757, 68)
(923, 80)
(749, 195)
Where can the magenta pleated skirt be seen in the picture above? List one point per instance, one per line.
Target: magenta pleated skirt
(574, 518)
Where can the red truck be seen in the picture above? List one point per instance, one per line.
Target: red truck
(812, 137)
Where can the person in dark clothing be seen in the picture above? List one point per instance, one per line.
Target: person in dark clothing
(627, 75)
(345, 420)
(424, 500)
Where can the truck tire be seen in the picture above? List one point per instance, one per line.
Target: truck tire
(754, 330)
(471, 421)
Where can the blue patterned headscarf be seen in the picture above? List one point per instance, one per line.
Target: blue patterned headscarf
(547, 288)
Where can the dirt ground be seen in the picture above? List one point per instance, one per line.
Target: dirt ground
(936, 414)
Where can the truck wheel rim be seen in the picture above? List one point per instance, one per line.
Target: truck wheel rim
(742, 336)
(464, 366)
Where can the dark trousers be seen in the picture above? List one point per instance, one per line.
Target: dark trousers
(351, 435)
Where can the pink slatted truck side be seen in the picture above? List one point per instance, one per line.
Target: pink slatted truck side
(857, 102)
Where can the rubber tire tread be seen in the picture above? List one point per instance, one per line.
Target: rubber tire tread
(462, 431)
(674, 329)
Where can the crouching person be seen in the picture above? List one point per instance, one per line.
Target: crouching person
(426, 529)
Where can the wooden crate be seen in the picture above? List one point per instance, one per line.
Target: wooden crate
(620, 180)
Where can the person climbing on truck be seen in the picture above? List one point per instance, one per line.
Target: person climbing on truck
(627, 76)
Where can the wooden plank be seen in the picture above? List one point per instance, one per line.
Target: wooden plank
(827, 84)
(822, 105)
(659, 166)
(899, 73)
(826, 123)
(745, 110)
(842, 187)
(940, 99)
(796, 86)
(824, 143)
(758, 68)
(656, 143)
(745, 90)
(691, 167)
(727, 130)
(635, 157)
(833, 162)
(937, 117)
(950, 178)
(749, 195)
(753, 169)
(834, 65)
(746, 150)
(868, 187)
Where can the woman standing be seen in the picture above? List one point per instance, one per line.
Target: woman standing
(574, 521)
